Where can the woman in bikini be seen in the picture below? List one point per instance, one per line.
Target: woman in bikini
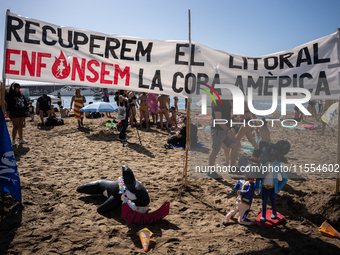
(163, 109)
(144, 110)
(133, 103)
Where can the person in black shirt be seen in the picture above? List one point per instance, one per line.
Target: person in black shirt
(16, 109)
(122, 102)
(179, 139)
(222, 134)
(44, 106)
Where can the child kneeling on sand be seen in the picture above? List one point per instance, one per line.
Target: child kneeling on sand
(245, 192)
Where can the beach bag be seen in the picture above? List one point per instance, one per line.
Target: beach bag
(119, 124)
(121, 114)
(144, 123)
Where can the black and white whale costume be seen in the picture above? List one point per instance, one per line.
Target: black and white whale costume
(135, 191)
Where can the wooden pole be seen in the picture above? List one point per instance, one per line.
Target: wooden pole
(337, 185)
(187, 146)
(2, 93)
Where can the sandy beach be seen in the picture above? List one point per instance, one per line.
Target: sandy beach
(55, 219)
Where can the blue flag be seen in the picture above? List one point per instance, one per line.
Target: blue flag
(9, 176)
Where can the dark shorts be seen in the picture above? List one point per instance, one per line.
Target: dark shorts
(45, 110)
(219, 137)
(311, 103)
(16, 114)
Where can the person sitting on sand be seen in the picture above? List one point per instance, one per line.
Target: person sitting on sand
(298, 115)
(64, 111)
(163, 109)
(244, 190)
(179, 139)
(93, 115)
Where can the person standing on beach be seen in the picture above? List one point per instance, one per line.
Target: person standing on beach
(311, 108)
(133, 104)
(221, 134)
(59, 102)
(16, 109)
(164, 101)
(106, 98)
(262, 133)
(153, 105)
(31, 110)
(176, 103)
(123, 109)
(79, 101)
(144, 109)
(245, 130)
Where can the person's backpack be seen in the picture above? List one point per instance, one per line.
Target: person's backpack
(53, 121)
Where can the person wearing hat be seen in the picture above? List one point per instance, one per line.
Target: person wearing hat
(43, 106)
(16, 109)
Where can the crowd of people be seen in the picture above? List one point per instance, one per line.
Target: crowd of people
(128, 102)
(158, 106)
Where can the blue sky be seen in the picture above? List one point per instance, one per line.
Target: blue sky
(245, 27)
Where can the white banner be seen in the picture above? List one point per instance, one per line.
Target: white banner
(40, 51)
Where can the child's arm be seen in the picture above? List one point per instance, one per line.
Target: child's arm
(248, 190)
(278, 186)
(237, 185)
